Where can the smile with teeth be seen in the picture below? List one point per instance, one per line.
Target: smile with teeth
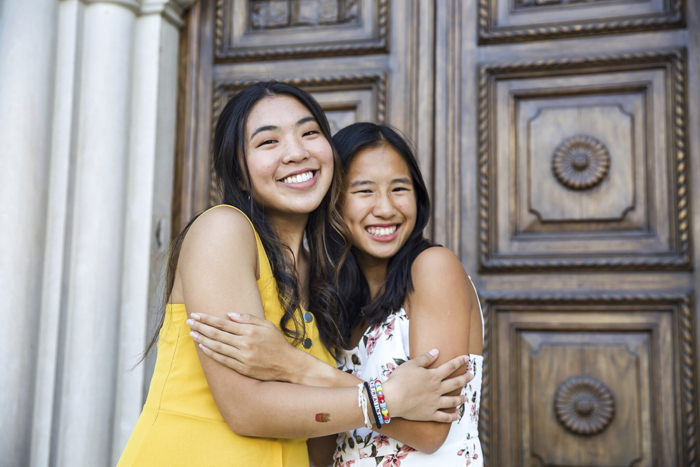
(300, 178)
(381, 231)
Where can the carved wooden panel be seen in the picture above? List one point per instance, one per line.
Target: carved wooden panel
(521, 20)
(344, 99)
(281, 29)
(583, 164)
(589, 380)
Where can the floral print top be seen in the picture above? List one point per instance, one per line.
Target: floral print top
(379, 352)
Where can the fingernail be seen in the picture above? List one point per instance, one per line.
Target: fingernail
(203, 348)
(434, 352)
(234, 315)
(195, 316)
(466, 359)
(194, 335)
(189, 322)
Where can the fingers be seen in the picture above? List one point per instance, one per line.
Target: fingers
(443, 417)
(450, 402)
(213, 333)
(223, 359)
(447, 368)
(458, 382)
(426, 359)
(214, 345)
(232, 327)
(246, 318)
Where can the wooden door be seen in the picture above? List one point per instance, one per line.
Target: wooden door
(556, 137)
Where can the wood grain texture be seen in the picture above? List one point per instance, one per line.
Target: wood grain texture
(552, 315)
(552, 26)
(678, 254)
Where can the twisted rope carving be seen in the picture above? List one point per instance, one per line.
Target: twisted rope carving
(219, 25)
(490, 33)
(485, 405)
(674, 61)
(688, 382)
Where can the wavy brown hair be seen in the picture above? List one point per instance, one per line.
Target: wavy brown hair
(235, 187)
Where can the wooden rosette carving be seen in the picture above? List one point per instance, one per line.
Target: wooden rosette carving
(584, 405)
(580, 162)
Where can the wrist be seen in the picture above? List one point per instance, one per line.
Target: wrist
(392, 398)
(299, 369)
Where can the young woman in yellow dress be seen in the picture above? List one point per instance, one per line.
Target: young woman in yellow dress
(263, 253)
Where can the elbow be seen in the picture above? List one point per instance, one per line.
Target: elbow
(432, 441)
(241, 424)
(238, 426)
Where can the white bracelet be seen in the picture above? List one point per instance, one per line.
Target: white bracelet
(362, 403)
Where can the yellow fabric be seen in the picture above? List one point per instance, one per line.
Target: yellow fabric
(180, 424)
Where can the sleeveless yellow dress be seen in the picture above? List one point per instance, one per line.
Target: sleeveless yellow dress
(180, 424)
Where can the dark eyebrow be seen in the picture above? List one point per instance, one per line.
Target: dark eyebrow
(362, 182)
(304, 120)
(402, 180)
(263, 128)
(273, 127)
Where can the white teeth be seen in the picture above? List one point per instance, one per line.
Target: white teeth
(299, 178)
(381, 231)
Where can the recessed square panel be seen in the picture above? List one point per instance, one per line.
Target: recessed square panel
(583, 165)
(588, 380)
(247, 30)
(521, 20)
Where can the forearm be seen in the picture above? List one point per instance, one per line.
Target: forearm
(314, 372)
(423, 436)
(281, 410)
(426, 437)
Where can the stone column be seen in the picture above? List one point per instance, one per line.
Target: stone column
(87, 381)
(68, 42)
(149, 198)
(27, 60)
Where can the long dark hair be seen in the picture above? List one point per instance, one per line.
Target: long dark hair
(351, 283)
(234, 185)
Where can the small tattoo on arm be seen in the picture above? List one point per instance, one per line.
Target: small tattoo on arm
(323, 417)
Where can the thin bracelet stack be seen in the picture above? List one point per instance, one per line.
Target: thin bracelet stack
(375, 404)
(378, 405)
(362, 403)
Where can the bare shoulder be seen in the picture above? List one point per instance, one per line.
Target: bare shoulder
(438, 273)
(437, 264)
(222, 233)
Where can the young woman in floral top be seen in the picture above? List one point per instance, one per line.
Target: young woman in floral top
(402, 297)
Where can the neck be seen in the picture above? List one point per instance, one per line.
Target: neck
(290, 230)
(374, 270)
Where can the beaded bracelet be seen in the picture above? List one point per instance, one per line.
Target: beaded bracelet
(375, 403)
(382, 402)
(362, 403)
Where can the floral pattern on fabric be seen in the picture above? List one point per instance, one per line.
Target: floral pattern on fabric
(381, 350)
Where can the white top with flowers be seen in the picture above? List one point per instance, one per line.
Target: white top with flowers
(380, 351)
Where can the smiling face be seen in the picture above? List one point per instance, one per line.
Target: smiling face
(289, 160)
(379, 205)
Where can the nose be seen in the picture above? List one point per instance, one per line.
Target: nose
(295, 151)
(384, 207)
